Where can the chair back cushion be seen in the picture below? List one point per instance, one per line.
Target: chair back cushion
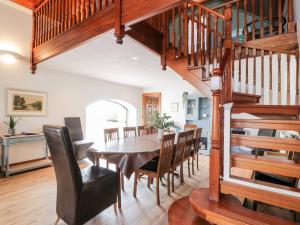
(75, 129)
(67, 171)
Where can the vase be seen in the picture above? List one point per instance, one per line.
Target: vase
(160, 133)
(12, 132)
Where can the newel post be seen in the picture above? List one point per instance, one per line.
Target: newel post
(164, 45)
(32, 64)
(119, 27)
(215, 156)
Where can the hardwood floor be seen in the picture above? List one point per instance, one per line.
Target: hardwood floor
(30, 198)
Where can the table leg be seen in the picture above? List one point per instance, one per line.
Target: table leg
(2, 160)
(119, 186)
(6, 159)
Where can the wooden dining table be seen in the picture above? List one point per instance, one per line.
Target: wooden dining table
(127, 154)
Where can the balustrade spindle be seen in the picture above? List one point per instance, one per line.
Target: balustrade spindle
(185, 30)
(279, 72)
(261, 19)
(215, 41)
(280, 16)
(271, 17)
(290, 16)
(271, 69)
(208, 47)
(173, 28)
(78, 8)
(238, 21)
(179, 42)
(253, 20)
(92, 7)
(193, 36)
(84, 9)
(288, 75)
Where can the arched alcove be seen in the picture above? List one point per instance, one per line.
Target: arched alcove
(110, 113)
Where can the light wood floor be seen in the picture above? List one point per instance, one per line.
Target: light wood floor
(30, 198)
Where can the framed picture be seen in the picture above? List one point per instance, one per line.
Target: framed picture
(26, 103)
(174, 107)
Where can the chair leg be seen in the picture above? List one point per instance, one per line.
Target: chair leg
(57, 220)
(193, 159)
(168, 183)
(197, 161)
(107, 165)
(173, 180)
(157, 191)
(189, 169)
(181, 174)
(136, 175)
(122, 181)
(149, 182)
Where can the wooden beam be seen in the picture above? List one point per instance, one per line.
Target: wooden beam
(272, 198)
(280, 167)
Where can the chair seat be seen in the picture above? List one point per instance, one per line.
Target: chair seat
(150, 166)
(98, 192)
(93, 173)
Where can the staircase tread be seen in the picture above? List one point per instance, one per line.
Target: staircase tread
(230, 211)
(181, 212)
(265, 106)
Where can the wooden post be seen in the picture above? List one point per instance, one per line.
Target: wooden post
(214, 164)
(32, 64)
(164, 41)
(119, 28)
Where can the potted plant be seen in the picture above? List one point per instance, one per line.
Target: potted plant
(161, 123)
(11, 124)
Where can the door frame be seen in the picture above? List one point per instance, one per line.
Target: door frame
(151, 94)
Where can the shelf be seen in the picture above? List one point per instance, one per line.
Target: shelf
(18, 168)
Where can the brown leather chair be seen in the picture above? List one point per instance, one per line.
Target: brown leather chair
(81, 194)
(80, 145)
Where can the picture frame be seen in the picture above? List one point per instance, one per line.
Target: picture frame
(174, 107)
(25, 103)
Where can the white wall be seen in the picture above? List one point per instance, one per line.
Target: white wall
(172, 93)
(68, 95)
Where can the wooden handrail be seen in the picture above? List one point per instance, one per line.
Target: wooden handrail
(211, 11)
(225, 4)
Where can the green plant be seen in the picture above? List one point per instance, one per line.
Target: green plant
(11, 123)
(161, 122)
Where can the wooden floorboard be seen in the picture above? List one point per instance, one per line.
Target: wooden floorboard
(29, 199)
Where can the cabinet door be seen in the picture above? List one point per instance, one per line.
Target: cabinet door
(192, 109)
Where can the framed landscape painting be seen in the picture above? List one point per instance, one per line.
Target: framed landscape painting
(26, 103)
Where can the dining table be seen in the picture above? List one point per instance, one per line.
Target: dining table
(128, 154)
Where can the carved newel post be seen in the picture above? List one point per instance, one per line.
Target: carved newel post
(214, 164)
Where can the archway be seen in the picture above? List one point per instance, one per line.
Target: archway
(108, 114)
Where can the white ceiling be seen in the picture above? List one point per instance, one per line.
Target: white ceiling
(102, 58)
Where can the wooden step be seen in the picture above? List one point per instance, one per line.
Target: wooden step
(181, 212)
(241, 98)
(263, 164)
(257, 109)
(229, 211)
(268, 197)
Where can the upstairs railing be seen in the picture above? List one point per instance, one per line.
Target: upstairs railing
(254, 19)
(54, 17)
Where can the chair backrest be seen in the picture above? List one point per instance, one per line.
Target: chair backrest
(189, 143)
(197, 141)
(111, 134)
(75, 129)
(142, 130)
(129, 132)
(180, 146)
(166, 153)
(67, 171)
(190, 127)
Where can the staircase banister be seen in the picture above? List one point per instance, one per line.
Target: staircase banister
(225, 4)
(213, 12)
(40, 5)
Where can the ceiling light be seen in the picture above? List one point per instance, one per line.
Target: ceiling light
(9, 57)
(135, 58)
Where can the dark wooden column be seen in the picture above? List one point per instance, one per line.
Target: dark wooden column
(32, 65)
(119, 27)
